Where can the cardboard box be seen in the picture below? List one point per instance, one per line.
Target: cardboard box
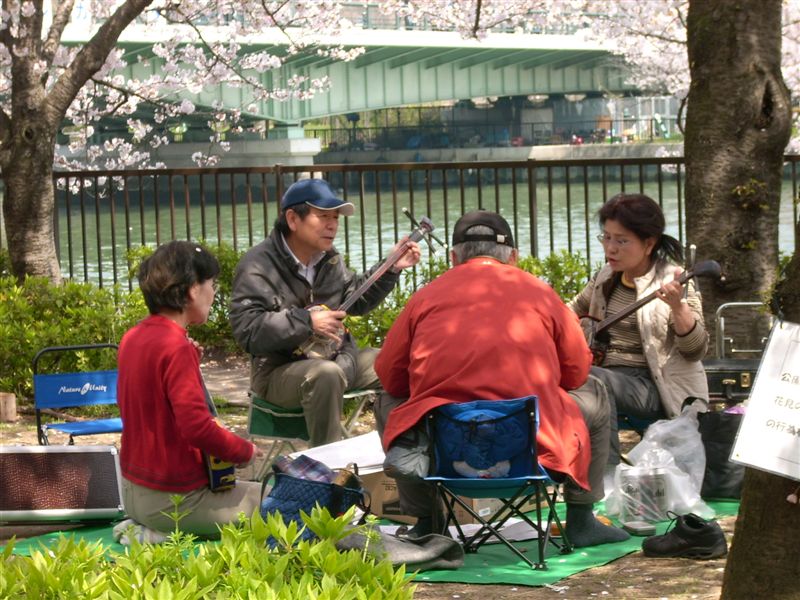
(386, 502)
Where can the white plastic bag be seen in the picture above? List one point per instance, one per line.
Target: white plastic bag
(667, 475)
(681, 438)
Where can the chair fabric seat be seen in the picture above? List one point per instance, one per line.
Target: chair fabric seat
(113, 425)
(271, 420)
(285, 426)
(505, 487)
(487, 449)
(56, 387)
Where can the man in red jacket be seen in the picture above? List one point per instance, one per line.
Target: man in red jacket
(485, 329)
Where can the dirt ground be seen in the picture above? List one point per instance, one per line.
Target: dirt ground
(630, 577)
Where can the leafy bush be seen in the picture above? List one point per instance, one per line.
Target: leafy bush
(371, 329)
(35, 314)
(566, 273)
(239, 566)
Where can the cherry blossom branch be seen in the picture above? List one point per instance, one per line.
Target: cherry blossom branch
(61, 15)
(91, 58)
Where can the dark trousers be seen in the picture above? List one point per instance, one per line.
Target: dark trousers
(631, 391)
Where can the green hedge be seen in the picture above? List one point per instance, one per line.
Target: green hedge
(35, 314)
(216, 333)
(240, 565)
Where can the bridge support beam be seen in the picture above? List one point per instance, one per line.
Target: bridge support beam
(249, 153)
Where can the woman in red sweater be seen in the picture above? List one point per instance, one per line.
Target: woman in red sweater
(168, 428)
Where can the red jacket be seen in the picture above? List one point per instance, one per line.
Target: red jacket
(489, 331)
(166, 423)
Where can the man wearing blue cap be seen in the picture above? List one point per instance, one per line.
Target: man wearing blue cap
(276, 284)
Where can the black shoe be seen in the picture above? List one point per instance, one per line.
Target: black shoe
(692, 537)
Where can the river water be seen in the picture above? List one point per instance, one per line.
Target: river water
(563, 219)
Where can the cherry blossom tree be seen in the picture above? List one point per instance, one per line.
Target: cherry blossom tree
(45, 82)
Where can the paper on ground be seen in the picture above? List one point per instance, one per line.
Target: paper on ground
(515, 530)
(364, 450)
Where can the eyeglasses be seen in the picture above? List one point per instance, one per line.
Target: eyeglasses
(606, 239)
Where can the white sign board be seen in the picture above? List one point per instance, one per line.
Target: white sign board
(769, 437)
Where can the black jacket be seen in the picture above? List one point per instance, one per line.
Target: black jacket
(268, 311)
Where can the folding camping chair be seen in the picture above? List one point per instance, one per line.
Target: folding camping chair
(287, 426)
(58, 390)
(487, 449)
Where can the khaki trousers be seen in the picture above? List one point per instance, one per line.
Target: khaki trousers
(207, 510)
(317, 386)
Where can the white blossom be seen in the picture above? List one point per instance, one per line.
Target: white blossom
(198, 47)
(27, 9)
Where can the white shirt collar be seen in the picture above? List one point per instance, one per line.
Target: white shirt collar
(306, 271)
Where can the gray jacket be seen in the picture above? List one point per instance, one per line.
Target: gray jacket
(677, 375)
(268, 303)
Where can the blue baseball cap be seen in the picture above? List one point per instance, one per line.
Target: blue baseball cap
(317, 193)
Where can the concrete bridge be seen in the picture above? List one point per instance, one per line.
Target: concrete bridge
(399, 67)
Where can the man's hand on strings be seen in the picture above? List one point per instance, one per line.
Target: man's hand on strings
(411, 256)
(328, 323)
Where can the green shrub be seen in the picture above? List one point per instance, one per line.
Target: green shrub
(371, 329)
(566, 273)
(240, 565)
(35, 314)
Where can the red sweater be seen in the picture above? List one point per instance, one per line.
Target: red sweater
(166, 422)
(488, 331)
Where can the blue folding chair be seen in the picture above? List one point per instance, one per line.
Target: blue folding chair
(487, 449)
(58, 390)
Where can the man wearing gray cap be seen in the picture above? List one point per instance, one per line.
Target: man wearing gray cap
(488, 330)
(277, 285)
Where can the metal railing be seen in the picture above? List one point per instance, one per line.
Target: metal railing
(551, 205)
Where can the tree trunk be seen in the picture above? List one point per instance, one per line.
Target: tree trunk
(29, 203)
(765, 557)
(737, 127)
(27, 135)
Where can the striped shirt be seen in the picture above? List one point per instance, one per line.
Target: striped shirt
(625, 348)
